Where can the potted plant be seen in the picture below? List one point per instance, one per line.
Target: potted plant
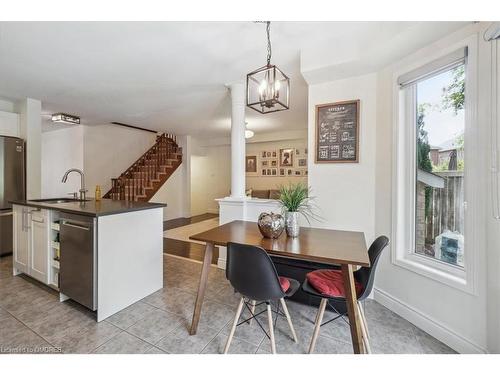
(295, 199)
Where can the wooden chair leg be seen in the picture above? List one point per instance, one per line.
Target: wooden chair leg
(289, 319)
(271, 328)
(364, 329)
(207, 260)
(252, 309)
(235, 323)
(363, 316)
(366, 343)
(317, 324)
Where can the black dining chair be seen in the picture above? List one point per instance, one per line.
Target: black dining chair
(252, 274)
(329, 286)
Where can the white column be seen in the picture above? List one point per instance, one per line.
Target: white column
(237, 140)
(31, 131)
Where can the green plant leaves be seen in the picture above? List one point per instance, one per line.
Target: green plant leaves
(297, 198)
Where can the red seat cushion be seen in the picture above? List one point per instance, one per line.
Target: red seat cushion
(330, 283)
(285, 283)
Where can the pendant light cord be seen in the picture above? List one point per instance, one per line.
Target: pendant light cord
(269, 50)
(268, 32)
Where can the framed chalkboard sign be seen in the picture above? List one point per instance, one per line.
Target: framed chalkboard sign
(337, 132)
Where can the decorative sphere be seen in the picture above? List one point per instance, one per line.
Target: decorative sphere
(271, 225)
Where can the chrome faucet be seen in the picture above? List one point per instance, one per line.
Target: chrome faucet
(82, 181)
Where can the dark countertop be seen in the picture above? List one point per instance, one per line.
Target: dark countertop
(92, 207)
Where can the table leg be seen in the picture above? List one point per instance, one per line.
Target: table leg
(207, 260)
(352, 308)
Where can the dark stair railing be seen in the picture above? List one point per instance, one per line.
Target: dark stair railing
(143, 178)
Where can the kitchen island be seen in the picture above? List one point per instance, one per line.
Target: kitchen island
(104, 254)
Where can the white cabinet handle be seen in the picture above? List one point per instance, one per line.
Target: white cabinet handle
(23, 220)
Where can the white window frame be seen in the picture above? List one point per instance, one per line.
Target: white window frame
(403, 184)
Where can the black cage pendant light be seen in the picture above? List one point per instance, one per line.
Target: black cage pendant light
(268, 88)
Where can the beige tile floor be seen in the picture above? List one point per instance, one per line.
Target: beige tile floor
(32, 320)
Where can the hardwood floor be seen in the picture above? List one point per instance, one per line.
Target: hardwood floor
(181, 221)
(187, 249)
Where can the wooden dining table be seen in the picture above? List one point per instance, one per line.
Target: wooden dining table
(334, 247)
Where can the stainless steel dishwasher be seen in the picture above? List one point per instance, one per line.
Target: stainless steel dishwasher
(78, 259)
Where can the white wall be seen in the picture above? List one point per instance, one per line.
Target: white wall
(105, 151)
(210, 176)
(258, 181)
(358, 197)
(109, 150)
(492, 224)
(454, 316)
(6, 105)
(200, 197)
(175, 192)
(345, 192)
(172, 193)
(30, 129)
(61, 150)
(9, 120)
(101, 151)
(211, 167)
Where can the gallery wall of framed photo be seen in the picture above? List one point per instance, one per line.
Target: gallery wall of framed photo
(270, 164)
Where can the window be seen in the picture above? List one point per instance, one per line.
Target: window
(435, 214)
(439, 166)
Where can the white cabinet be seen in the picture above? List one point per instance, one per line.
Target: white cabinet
(31, 242)
(9, 124)
(39, 246)
(21, 239)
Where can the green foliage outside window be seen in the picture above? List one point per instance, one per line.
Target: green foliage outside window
(454, 93)
(423, 148)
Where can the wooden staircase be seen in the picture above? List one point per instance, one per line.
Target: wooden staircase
(143, 179)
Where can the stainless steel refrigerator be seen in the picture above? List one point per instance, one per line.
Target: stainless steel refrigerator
(12, 186)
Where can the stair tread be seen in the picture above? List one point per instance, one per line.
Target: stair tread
(150, 172)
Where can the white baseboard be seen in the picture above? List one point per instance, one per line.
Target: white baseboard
(213, 211)
(451, 338)
(221, 263)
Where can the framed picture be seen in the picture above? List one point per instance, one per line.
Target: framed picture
(251, 164)
(282, 171)
(263, 172)
(268, 154)
(264, 163)
(274, 163)
(337, 132)
(274, 154)
(298, 172)
(289, 172)
(302, 162)
(274, 172)
(268, 172)
(286, 157)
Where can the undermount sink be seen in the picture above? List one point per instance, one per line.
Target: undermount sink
(59, 200)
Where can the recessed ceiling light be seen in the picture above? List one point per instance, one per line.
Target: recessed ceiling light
(64, 118)
(249, 134)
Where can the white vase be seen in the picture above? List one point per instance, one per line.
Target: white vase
(292, 224)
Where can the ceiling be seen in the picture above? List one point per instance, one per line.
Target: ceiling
(169, 76)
